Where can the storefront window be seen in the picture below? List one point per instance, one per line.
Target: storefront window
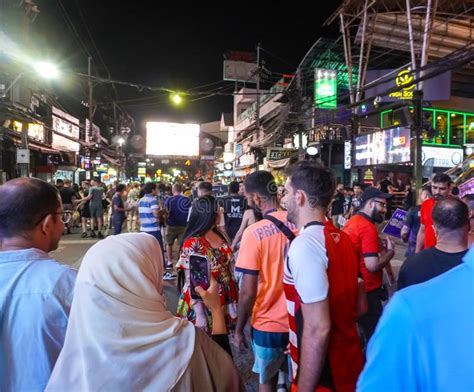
(469, 129)
(428, 125)
(456, 128)
(441, 127)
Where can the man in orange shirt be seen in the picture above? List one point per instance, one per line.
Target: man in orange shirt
(261, 261)
(440, 187)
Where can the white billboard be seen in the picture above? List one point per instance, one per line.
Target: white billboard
(172, 139)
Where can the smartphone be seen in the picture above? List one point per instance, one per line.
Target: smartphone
(198, 274)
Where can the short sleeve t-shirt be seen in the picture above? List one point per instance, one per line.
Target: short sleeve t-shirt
(178, 208)
(426, 219)
(67, 195)
(146, 206)
(364, 236)
(262, 252)
(322, 257)
(117, 202)
(426, 265)
(97, 194)
(234, 207)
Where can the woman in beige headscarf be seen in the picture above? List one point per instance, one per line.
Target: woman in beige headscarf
(120, 337)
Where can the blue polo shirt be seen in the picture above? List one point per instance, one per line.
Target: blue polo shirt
(35, 299)
(425, 338)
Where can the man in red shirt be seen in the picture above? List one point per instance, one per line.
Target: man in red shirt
(440, 187)
(321, 287)
(373, 257)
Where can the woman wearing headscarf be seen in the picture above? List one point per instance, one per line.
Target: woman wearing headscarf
(120, 337)
(203, 238)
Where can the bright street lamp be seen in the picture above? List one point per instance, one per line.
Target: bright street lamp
(42, 68)
(46, 70)
(121, 141)
(177, 99)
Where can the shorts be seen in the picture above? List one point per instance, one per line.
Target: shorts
(96, 210)
(173, 233)
(269, 352)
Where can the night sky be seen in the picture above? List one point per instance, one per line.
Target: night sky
(177, 48)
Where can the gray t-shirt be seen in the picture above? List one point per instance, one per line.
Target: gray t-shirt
(97, 195)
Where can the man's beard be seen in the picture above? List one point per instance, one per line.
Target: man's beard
(377, 216)
(438, 197)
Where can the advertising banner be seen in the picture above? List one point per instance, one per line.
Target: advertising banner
(395, 224)
(325, 88)
(442, 156)
(437, 88)
(278, 153)
(172, 139)
(383, 147)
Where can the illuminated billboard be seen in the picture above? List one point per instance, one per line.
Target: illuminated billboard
(172, 139)
(383, 147)
(325, 88)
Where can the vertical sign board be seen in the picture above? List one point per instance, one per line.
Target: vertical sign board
(325, 88)
(347, 155)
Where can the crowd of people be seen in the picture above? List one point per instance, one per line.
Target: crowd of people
(301, 265)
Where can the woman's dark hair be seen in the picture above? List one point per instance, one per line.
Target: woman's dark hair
(203, 218)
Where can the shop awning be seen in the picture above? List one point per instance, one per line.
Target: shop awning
(279, 164)
(42, 149)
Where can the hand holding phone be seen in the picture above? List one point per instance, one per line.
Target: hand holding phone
(198, 274)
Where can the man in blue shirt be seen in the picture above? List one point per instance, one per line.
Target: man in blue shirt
(425, 338)
(148, 212)
(35, 291)
(118, 209)
(178, 209)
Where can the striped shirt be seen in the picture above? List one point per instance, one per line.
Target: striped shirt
(148, 222)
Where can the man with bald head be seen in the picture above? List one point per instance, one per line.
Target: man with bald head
(35, 291)
(451, 225)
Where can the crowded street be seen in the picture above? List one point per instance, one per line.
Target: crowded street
(236, 198)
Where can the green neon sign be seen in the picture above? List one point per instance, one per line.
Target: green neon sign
(325, 88)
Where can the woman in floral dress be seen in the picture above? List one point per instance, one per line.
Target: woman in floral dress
(204, 239)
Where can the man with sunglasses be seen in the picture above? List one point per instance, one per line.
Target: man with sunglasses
(35, 291)
(373, 256)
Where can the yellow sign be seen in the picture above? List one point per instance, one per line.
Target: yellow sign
(368, 175)
(404, 80)
(141, 171)
(17, 126)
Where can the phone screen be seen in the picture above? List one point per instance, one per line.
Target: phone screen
(198, 274)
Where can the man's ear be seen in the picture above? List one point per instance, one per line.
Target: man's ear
(300, 197)
(47, 224)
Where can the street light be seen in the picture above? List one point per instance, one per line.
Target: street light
(121, 141)
(43, 68)
(176, 99)
(46, 70)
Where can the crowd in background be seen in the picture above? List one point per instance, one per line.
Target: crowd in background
(302, 266)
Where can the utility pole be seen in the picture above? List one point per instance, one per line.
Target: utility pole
(91, 103)
(298, 110)
(417, 139)
(257, 110)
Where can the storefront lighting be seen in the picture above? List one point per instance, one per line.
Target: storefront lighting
(312, 150)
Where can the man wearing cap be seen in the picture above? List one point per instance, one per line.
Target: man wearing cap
(373, 257)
